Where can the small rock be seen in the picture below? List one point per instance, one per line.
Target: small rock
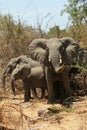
(42, 111)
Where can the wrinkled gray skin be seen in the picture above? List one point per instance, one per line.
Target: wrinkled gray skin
(53, 55)
(13, 64)
(72, 50)
(82, 57)
(31, 77)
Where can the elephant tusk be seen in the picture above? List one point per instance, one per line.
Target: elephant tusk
(49, 59)
(60, 61)
(17, 66)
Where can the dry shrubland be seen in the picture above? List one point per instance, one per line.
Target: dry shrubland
(14, 113)
(15, 36)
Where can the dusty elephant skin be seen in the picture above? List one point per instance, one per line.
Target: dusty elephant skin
(82, 57)
(53, 54)
(31, 77)
(15, 62)
(11, 66)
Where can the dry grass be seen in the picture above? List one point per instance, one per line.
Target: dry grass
(17, 115)
(12, 117)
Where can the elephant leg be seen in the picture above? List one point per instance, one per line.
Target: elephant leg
(43, 93)
(27, 92)
(66, 82)
(59, 91)
(49, 80)
(34, 92)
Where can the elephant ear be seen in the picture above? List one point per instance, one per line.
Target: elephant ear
(72, 49)
(72, 52)
(38, 50)
(25, 71)
(66, 41)
(21, 59)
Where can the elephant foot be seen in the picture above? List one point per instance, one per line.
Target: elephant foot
(31, 98)
(51, 101)
(26, 100)
(42, 97)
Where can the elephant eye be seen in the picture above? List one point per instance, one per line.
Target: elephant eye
(62, 49)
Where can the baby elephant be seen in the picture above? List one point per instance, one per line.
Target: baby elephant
(31, 77)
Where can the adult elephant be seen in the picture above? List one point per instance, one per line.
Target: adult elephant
(53, 55)
(82, 57)
(31, 77)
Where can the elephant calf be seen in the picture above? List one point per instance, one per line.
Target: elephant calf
(12, 64)
(31, 77)
(17, 61)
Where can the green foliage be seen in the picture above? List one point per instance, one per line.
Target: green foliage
(81, 68)
(55, 31)
(54, 109)
(77, 10)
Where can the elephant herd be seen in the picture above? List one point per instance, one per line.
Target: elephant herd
(45, 67)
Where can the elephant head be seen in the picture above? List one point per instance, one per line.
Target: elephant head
(48, 52)
(54, 51)
(11, 66)
(21, 72)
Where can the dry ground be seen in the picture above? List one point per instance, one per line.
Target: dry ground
(38, 115)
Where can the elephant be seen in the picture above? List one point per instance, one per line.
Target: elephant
(53, 54)
(11, 66)
(31, 77)
(82, 57)
(14, 62)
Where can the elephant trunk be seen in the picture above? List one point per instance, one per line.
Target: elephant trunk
(12, 85)
(4, 76)
(58, 68)
(56, 62)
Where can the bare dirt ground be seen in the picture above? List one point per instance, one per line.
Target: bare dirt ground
(38, 115)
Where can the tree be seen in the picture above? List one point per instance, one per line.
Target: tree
(14, 38)
(54, 31)
(77, 10)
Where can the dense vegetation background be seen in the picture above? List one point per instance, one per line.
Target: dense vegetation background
(15, 36)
